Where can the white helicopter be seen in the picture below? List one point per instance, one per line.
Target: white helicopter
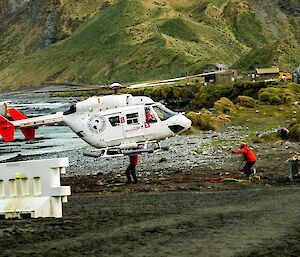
(114, 124)
(117, 124)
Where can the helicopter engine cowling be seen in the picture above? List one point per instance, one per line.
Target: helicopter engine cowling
(102, 103)
(97, 103)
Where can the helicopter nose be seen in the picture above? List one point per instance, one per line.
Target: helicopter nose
(180, 124)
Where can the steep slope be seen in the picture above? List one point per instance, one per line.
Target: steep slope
(281, 25)
(29, 26)
(96, 41)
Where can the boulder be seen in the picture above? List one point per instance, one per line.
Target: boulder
(284, 133)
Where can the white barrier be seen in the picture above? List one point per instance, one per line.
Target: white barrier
(32, 188)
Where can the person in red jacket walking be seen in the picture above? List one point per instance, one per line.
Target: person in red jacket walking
(130, 171)
(248, 156)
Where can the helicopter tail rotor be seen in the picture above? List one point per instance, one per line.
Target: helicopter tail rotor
(29, 133)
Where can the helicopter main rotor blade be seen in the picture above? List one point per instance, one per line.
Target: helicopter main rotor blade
(172, 81)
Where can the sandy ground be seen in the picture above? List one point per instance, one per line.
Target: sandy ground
(224, 223)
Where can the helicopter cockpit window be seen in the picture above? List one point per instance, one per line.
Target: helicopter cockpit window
(163, 112)
(132, 118)
(150, 117)
(114, 121)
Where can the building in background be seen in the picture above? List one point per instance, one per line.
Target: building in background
(220, 74)
(271, 73)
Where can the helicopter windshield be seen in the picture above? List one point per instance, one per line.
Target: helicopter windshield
(163, 112)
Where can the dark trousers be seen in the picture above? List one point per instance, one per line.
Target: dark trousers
(130, 173)
(247, 168)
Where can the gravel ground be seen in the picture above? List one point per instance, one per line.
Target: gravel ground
(208, 150)
(173, 210)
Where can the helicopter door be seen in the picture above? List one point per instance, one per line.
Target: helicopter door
(116, 129)
(133, 123)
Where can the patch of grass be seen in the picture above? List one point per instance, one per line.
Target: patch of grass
(248, 30)
(263, 56)
(206, 120)
(218, 3)
(246, 101)
(276, 96)
(207, 96)
(295, 132)
(295, 25)
(264, 117)
(224, 106)
(178, 28)
(271, 137)
(200, 8)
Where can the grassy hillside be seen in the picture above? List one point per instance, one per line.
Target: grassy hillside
(97, 42)
(280, 25)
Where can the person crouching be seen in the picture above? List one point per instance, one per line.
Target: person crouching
(248, 156)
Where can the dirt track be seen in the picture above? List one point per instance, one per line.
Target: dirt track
(249, 222)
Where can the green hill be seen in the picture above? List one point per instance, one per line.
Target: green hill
(97, 41)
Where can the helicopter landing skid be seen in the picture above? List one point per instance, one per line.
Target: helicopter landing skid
(114, 152)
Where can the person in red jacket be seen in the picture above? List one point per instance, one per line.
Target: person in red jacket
(149, 116)
(130, 171)
(248, 156)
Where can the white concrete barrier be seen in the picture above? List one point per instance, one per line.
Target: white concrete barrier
(32, 188)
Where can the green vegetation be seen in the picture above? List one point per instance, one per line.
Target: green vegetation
(224, 106)
(246, 101)
(177, 28)
(275, 96)
(248, 30)
(282, 94)
(122, 43)
(218, 3)
(294, 127)
(264, 117)
(103, 41)
(295, 132)
(208, 95)
(262, 56)
(206, 120)
(162, 92)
